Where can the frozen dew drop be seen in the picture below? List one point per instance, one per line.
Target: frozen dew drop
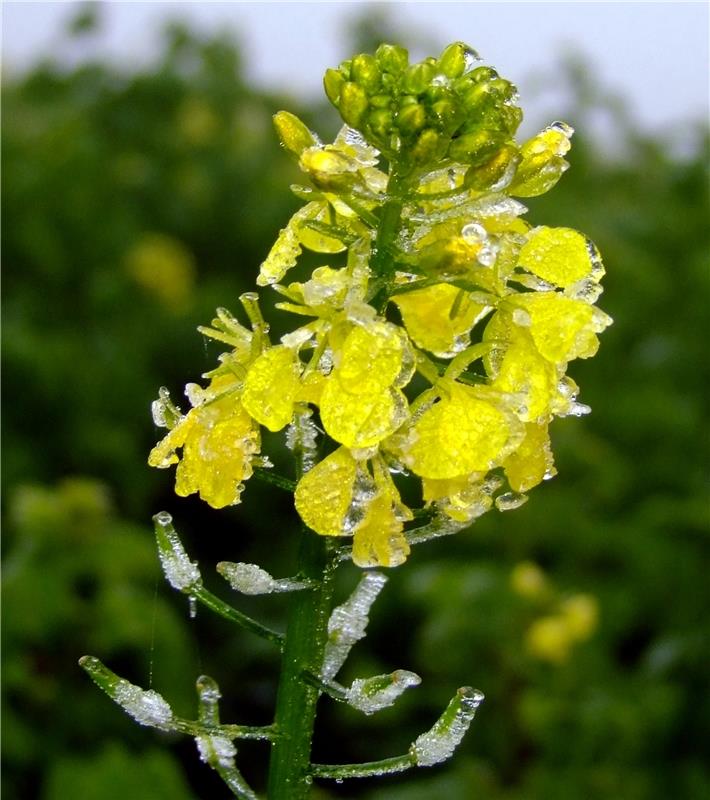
(180, 572)
(216, 750)
(473, 233)
(522, 318)
(363, 491)
(439, 743)
(510, 500)
(587, 290)
(302, 438)
(192, 606)
(561, 127)
(348, 622)
(577, 410)
(372, 694)
(471, 58)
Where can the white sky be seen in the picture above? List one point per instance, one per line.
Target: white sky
(654, 54)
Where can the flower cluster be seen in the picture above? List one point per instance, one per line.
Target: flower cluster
(435, 342)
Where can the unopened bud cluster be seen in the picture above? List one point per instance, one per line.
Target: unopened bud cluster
(438, 108)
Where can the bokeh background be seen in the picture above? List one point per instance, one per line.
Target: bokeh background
(142, 186)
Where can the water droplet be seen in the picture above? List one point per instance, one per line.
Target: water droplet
(510, 501)
(561, 127)
(471, 58)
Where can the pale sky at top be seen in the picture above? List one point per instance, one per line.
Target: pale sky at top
(654, 54)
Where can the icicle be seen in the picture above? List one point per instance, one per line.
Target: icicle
(181, 573)
(439, 743)
(146, 707)
(252, 579)
(348, 622)
(302, 438)
(372, 694)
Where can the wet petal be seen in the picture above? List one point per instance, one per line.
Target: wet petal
(561, 327)
(324, 494)
(426, 314)
(560, 255)
(358, 420)
(531, 461)
(271, 386)
(371, 358)
(458, 435)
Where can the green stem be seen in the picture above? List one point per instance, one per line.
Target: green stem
(214, 603)
(386, 766)
(306, 636)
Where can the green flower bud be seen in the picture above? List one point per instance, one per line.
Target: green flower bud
(452, 62)
(366, 72)
(407, 100)
(446, 115)
(411, 118)
(427, 147)
(380, 122)
(333, 81)
(392, 58)
(344, 69)
(418, 77)
(353, 104)
(381, 100)
(497, 171)
(475, 147)
(294, 135)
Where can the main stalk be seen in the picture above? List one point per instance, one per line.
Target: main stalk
(306, 636)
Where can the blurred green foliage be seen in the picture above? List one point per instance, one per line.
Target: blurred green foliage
(116, 180)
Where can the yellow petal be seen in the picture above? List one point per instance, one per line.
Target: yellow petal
(458, 435)
(561, 327)
(287, 247)
(372, 358)
(316, 240)
(426, 314)
(324, 494)
(358, 420)
(163, 454)
(379, 540)
(217, 453)
(271, 387)
(524, 373)
(560, 255)
(531, 461)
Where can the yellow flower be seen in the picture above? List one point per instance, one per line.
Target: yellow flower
(219, 441)
(439, 318)
(339, 497)
(461, 433)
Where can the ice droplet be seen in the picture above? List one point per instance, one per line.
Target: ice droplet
(439, 743)
(510, 501)
(164, 412)
(180, 572)
(522, 318)
(470, 59)
(364, 489)
(561, 127)
(372, 694)
(348, 622)
(252, 579)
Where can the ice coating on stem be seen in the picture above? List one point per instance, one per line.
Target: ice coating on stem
(439, 743)
(252, 579)
(381, 691)
(147, 707)
(348, 622)
(215, 748)
(302, 438)
(181, 573)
